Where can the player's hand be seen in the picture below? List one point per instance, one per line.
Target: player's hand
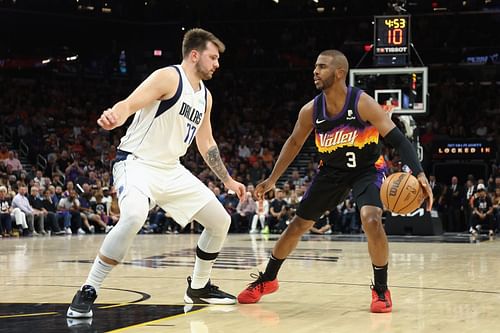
(264, 187)
(427, 190)
(238, 188)
(111, 119)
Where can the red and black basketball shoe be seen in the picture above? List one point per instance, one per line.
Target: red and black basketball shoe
(257, 289)
(381, 300)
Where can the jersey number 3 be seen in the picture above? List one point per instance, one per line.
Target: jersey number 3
(191, 129)
(351, 159)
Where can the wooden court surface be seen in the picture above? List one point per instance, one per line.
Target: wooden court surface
(438, 285)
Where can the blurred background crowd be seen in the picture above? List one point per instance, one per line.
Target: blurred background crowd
(54, 82)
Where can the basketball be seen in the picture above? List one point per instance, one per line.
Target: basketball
(401, 193)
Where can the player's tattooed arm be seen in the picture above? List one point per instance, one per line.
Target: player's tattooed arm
(214, 161)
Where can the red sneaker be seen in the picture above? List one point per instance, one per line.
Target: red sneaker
(381, 301)
(257, 289)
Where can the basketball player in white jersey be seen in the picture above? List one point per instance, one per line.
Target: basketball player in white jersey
(172, 108)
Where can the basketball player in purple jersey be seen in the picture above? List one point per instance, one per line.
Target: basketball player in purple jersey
(347, 124)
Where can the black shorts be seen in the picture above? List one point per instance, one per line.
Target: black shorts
(330, 188)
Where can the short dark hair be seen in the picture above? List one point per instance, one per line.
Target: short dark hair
(338, 58)
(197, 38)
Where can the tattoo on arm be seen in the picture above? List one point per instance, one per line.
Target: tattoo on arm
(215, 163)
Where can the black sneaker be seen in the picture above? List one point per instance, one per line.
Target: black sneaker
(210, 294)
(81, 306)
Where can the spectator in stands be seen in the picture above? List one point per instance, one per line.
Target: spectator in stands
(468, 196)
(295, 181)
(70, 186)
(162, 222)
(15, 213)
(482, 214)
(230, 202)
(453, 201)
(220, 196)
(69, 208)
(21, 201)
(243, 150)
(57, 195)
(278, 214)
(114, 208)
(261, 213)
(57, 181)
(51, 167)
(106, 199)
(106, 179)
(50, 207)
(90, 220)
(250, 188)
(256, 173)
(39, 212)
(74, 170)
(244, 212)
(12, 163)
(5, 214)
(99, 208)
(323, 225)
(437, 190)
(349, 217)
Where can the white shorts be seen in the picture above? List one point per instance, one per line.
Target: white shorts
(172, 187)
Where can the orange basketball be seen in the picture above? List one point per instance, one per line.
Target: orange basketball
(401, 193)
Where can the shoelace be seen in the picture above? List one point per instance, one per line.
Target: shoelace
(212, 287)
(380, 293)
(259, 282)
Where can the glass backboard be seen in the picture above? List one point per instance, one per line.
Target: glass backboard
(404, 89)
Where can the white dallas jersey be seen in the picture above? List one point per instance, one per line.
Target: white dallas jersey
(163, 131)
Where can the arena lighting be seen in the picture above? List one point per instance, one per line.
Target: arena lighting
(46, 61)
(276, 1)
(72, 58)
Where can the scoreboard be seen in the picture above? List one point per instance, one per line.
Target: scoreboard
(392, 35)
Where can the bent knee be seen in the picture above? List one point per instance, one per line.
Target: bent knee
(222, 228)
(371, 223)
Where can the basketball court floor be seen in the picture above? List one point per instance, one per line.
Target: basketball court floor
(439, 284)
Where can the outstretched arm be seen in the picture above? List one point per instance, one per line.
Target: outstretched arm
(291, 148)
(210, 152)
(371, 112)
(161, 84)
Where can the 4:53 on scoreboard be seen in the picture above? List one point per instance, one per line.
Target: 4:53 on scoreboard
(391, 34)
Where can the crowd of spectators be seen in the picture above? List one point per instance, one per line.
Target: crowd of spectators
(52, 112)
(67, 187)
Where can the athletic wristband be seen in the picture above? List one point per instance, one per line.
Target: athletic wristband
(408, 154)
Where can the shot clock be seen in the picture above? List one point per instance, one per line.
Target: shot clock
(392, 35)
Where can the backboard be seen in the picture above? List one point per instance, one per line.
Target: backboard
(405, 89)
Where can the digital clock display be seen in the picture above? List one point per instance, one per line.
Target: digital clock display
(392, 35)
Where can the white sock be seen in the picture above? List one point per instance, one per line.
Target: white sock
(201, 272)
(98, 273)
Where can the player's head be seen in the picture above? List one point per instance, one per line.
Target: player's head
(331, 67)
(202, 48)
